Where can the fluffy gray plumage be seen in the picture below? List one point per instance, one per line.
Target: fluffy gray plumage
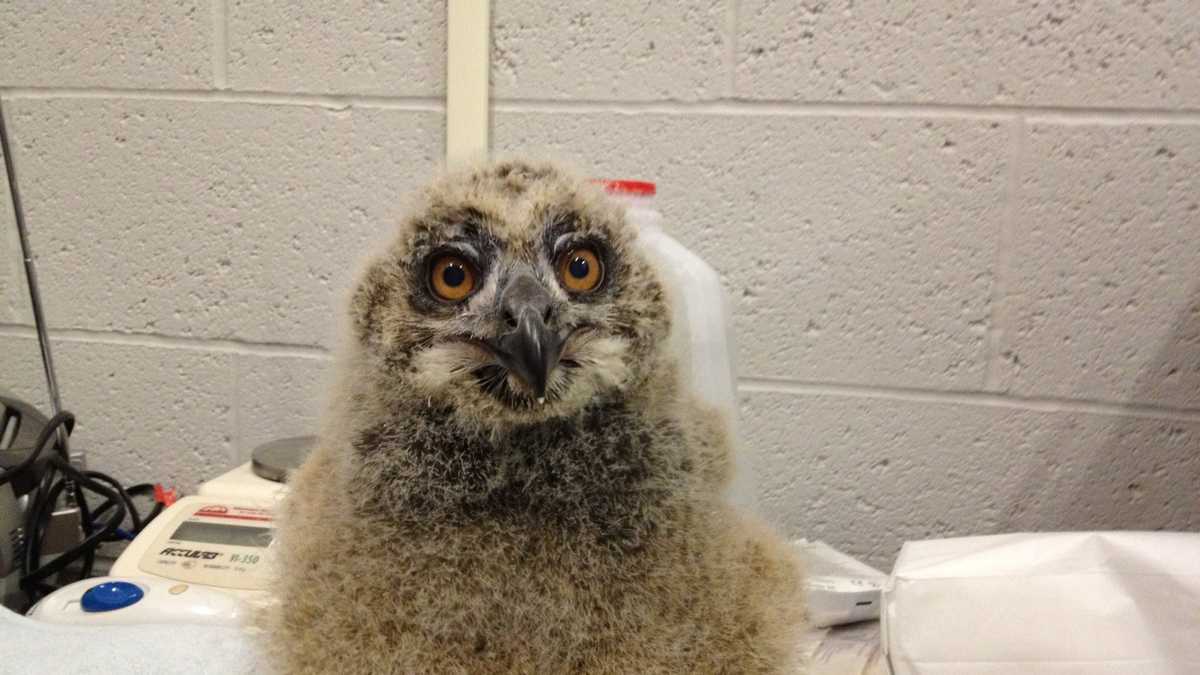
(450, 522)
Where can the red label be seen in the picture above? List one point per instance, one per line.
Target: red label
(233, 513)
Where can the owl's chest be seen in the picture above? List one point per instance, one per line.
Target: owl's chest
(486, 600)
(483, 576)
(603, 481)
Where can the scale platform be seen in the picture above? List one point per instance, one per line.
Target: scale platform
(262, 478)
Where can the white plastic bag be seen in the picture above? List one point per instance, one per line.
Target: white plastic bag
(1082, 602)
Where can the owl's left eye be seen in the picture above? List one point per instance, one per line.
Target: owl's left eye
(452, 278)
(580, 270)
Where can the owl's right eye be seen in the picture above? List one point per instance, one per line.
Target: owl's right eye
(452, 278)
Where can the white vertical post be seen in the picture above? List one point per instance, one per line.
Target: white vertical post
(467, 70)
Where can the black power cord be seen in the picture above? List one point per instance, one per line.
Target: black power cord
(60, 478)
(34, 580)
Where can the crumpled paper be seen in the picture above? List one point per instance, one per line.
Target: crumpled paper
(1078, 602)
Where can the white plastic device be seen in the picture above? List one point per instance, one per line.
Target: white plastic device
(223, 543)
(204, 559)
(840, 589)
(137, 600)
(241, 483)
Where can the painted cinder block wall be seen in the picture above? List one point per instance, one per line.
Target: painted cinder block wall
(962, 238)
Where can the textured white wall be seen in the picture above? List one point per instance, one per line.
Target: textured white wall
(962, 238)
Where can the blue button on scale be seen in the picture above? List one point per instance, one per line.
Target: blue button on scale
(110, 595)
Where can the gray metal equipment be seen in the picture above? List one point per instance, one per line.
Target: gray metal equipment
(20, 424)
(275, 460)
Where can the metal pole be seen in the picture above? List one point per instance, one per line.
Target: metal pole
(35, 297)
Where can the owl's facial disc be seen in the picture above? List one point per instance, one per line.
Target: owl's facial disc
(523, 328)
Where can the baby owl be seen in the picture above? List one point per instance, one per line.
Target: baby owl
(511, 477)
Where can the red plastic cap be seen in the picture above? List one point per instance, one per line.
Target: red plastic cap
(628, 187)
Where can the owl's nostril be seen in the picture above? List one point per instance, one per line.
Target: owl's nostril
(524, 299)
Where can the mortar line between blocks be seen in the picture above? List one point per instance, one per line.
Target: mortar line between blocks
(731, 28)
(220, 46)
(974, 398)
(332, 102)
(725, 106)
(234, 452)
(749, 384)
(734, 107)
(159, 341)
(998, 316)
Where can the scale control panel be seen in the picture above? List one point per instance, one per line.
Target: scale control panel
(207, 541)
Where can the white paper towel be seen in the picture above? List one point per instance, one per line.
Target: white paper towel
(1082, 602)
(29, 646)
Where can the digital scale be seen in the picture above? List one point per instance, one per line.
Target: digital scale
(200, 560)
(222, 543)
(222, 536)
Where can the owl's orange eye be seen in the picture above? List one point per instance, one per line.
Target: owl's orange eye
(580, 270)
(452, 278)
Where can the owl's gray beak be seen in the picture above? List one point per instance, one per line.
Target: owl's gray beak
(532, 348)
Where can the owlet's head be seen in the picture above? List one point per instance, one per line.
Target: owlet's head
(513, 295)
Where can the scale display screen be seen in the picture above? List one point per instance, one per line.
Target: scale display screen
(212, 543)
(218, 533)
